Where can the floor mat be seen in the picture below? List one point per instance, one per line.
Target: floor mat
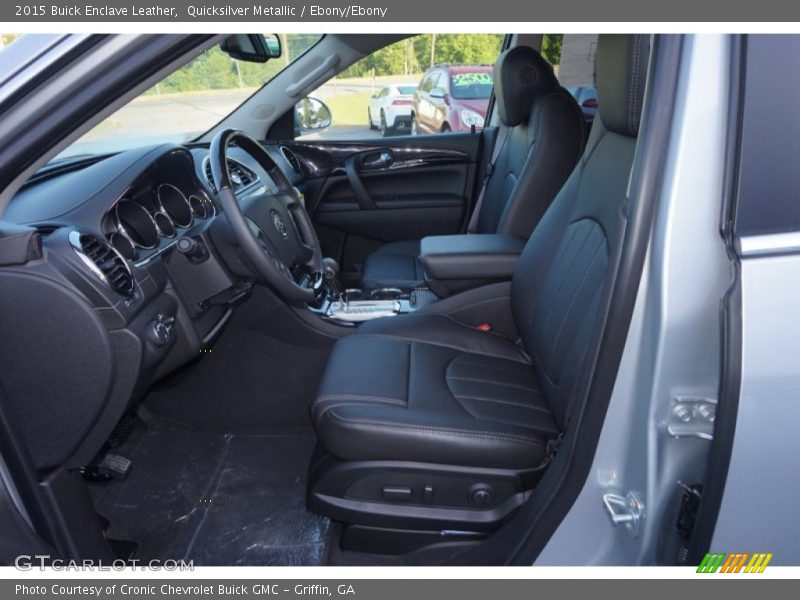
(215, 498)
(248, 382)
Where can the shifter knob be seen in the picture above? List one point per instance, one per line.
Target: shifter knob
(330, 271)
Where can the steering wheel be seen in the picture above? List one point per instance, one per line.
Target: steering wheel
(273, 230)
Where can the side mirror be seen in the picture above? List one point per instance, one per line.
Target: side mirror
(438, 93)
(252, 47)
(590, 103)
(311, 114)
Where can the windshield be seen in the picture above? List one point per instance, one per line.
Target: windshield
(472, 85)
(407, 90)
(188, 102)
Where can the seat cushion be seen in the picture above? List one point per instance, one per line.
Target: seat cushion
(394, 265)
(425, 388)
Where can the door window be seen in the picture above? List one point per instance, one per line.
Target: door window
(458, 65)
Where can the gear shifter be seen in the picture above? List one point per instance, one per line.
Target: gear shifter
(330, 271)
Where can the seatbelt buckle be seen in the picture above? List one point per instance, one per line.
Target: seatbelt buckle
(484, 327)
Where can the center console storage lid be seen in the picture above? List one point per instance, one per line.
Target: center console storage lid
(479, 255)
(454, 263)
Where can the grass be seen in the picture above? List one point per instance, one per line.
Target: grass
(349, 109)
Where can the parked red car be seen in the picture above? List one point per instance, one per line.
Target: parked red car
(452, 98)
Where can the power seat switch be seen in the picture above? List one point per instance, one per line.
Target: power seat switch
(396, 492)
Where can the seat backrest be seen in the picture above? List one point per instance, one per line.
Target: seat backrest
(543, 143)
(562, 275)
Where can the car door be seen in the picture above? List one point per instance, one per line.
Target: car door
(423, 103)
(375, 107)
(434, 104)
(362, 194)
(438, 103)
(363, 190)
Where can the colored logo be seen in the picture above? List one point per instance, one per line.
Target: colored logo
(735, 562)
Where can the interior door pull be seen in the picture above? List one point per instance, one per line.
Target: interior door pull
(379, 160)
(365, 201)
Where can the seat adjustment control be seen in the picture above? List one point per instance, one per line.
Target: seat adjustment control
(481, 494)
(396, 492)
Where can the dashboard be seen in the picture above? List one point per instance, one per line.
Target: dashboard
(131, 272)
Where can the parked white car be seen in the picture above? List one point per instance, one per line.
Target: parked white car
(390, 108)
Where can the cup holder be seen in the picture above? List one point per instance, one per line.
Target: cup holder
(386, 294)
(353, 295)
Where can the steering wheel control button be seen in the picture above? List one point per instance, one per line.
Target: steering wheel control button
(192, 248)
(481, 494)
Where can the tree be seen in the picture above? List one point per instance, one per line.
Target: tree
(551, 48)
(407, 57)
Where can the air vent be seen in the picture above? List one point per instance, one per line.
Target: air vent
(241, 176)
(104, 261)
(291, 159)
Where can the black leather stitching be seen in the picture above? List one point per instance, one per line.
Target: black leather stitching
(445, 431)
(336, 399)
(520, 358)
(494, 382)
(575, 226)
(500, 401)
(572, 301)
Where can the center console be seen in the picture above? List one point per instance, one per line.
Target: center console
(452, 264)
(354, 306)
(456, 263)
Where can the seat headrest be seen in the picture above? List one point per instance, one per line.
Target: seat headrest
(621, 75)
(520, 75)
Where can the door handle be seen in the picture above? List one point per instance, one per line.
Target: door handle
(379, 160)
(351, 169)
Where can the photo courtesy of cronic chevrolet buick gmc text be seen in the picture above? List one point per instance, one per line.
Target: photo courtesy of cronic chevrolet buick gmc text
(554, 326)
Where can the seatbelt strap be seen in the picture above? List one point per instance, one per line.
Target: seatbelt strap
(499, 142)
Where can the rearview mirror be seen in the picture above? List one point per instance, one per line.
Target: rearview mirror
(252, 47)
(437, 93)
(312, 114)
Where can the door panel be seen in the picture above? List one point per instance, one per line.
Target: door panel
(366, 193)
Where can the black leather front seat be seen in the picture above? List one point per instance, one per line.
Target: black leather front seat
(544, 141)
(427, 410)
